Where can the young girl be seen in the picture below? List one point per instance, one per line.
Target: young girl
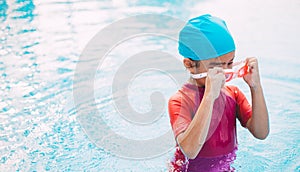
(203, 112)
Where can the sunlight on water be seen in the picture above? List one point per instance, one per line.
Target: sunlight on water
(41, 42)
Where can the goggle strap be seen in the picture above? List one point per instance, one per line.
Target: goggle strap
(199, 75)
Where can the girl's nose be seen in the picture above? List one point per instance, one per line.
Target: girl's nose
(227, 66)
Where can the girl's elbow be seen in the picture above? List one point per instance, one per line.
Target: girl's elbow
(190, 154)
(189, 151)
(262, 135)
(265, 136)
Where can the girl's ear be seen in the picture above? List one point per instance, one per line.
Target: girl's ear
(188, 63)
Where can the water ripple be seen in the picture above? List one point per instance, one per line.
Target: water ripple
(40, 43)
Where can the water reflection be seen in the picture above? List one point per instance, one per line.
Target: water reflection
(25, 10)
(3, 10)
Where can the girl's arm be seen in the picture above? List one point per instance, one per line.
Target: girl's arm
(258, 124)
(193, 138)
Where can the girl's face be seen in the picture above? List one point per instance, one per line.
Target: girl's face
(225, 61)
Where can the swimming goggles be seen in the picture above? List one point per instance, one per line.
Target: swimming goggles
(239, 69)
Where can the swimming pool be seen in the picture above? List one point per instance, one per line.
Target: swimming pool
(41, 46)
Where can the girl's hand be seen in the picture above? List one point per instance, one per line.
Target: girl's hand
(252, 78)
(215, 80)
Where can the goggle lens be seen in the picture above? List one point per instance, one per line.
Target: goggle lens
(239, 69)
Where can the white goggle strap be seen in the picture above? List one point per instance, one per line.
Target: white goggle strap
(203, 75)
(199, 75)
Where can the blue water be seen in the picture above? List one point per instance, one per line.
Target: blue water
(41, 42)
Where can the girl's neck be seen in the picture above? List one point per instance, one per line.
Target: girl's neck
(194, 82)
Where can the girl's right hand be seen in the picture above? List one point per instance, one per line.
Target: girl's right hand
(215, 80)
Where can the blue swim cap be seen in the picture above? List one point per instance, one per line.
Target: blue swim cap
(205, 37)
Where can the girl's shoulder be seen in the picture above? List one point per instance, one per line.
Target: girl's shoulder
(232, 91)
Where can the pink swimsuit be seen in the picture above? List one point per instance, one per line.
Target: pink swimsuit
(218, 152)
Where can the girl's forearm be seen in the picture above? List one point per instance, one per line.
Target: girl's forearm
(193, 138)
(258, 125)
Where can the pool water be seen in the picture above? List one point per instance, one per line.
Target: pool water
(41, 44)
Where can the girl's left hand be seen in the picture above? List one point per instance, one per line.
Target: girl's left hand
(252, 78)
